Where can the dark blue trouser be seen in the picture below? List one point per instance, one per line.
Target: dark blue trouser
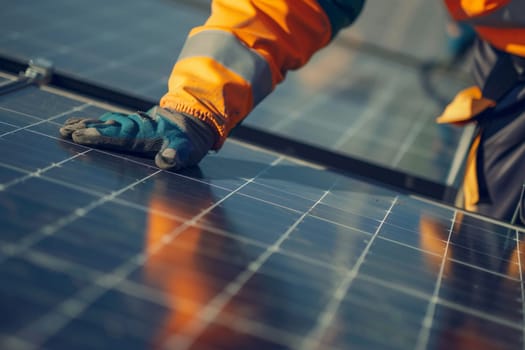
(501, 152)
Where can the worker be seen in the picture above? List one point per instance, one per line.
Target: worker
(245, 48)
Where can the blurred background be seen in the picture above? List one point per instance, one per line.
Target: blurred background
(372, 94)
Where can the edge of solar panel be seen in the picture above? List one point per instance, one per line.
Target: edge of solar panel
(253, 135)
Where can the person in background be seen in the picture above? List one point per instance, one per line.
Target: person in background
(245, 48)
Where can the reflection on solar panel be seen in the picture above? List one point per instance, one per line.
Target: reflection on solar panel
(252, 250)
(346, 100)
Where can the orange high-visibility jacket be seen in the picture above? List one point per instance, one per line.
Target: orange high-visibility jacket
(228, 65)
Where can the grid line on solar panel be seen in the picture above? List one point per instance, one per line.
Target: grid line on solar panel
(70, 143)
(483, 315)
(16, 152)
(481, 268)
(326, 318)
(422, 341)
(72, 110)
(261, 330)
(11, 122)
(408, 246)
(39, 172)
(10, 173)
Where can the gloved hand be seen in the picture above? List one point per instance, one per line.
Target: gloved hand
(175, 139)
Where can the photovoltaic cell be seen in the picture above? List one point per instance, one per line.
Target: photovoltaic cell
(345, 99)
(249, 250)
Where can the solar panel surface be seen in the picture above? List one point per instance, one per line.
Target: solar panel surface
(346, 99)
(250, 250)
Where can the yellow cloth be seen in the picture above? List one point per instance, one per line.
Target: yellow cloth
(466, 105)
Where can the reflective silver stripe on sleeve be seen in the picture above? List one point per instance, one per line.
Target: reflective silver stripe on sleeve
(511, 15)
(226, 49)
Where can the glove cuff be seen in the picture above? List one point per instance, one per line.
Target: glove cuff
(202, 135)
(215, 122)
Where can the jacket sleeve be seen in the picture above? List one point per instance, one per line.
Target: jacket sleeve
(232, 62)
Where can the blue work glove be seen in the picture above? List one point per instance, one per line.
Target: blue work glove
(175, 139)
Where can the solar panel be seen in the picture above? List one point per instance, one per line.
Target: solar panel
(250, 250)
(368, 107)
(346, 99)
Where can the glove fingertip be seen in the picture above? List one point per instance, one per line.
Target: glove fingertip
(167, 159)
(87, 136)
(65, 132)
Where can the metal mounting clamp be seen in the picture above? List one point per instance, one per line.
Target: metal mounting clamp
(38, 72)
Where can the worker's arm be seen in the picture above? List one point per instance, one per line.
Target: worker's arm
(232, 62)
